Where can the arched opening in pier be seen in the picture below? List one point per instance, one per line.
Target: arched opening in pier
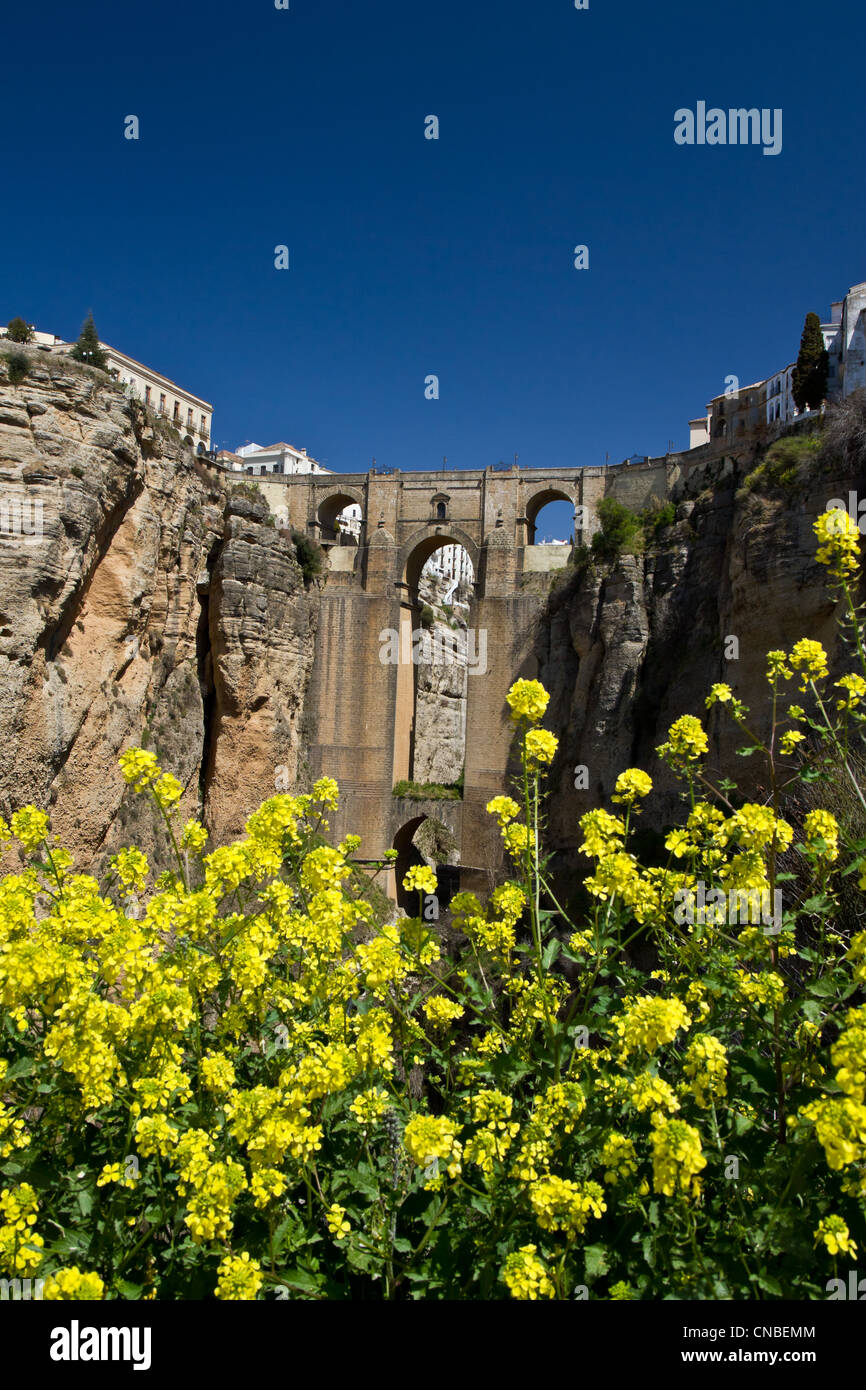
(441, 646)
(426, 840)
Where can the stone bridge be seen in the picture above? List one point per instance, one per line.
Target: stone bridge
(362, 699)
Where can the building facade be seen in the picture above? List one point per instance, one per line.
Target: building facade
(191, 415)
(277, 458)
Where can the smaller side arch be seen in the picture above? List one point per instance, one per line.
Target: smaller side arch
(330, 504)
(541, 499)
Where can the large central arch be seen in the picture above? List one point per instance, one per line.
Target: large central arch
(411, 560)
(424, 542)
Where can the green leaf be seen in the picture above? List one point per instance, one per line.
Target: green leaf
(128, 1290)
(551, 952)
(300, 1279)
(769, 1284)
(363, 1181)
(824, 988)
(595, 1261)
(23, 1067)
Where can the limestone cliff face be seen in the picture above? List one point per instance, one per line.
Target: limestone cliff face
(151, 606)
(144, 602)
(626, 647)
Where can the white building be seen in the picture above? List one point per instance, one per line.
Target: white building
(277, 458)
(451, 562)
(845, 341)
(43, 340)
(189, 414)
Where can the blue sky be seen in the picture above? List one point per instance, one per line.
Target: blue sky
(409, 256)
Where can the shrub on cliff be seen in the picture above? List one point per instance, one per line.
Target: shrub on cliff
(620, 531)
(229, 1094)
(17, 367)
(17, 331)
(311, 557)
(785, 462)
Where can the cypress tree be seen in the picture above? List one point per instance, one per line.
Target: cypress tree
(87, 348)
(809, 380)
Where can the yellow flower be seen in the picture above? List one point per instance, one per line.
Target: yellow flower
(528, 700)
(338, 1226)
(428, 1138)
(369, 1106)
(239, 1278)
(139, 768)
(194, 836)
(706, 1065)
(719, 694)
(854, 687)
(131, 868)
(821, 828)
(420, 877)
(540, 746)
(74, 1285)
(836, 1236)
(810, 659)
(562, 1205)
(441, 1011)
(517, 838)
(30, 827)
(630, 785)
(503, 807)
(677, 1157)
(840, 543)
(686, 745)
(648, 1023)
(789, 741)
(167, 790)
(526, 1275)
(777, 666)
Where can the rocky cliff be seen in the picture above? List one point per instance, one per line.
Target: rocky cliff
(627, 645)
(143, 601)
(140, 602)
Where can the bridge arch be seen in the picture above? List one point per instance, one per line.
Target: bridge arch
(424, 542)
(331, 504)
(541, 499)
(408, 854)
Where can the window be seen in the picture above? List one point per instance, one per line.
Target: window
(440, 511)
(162, 402)
(177, 410)
(147, 395)
(203, 429)
(189, 417)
